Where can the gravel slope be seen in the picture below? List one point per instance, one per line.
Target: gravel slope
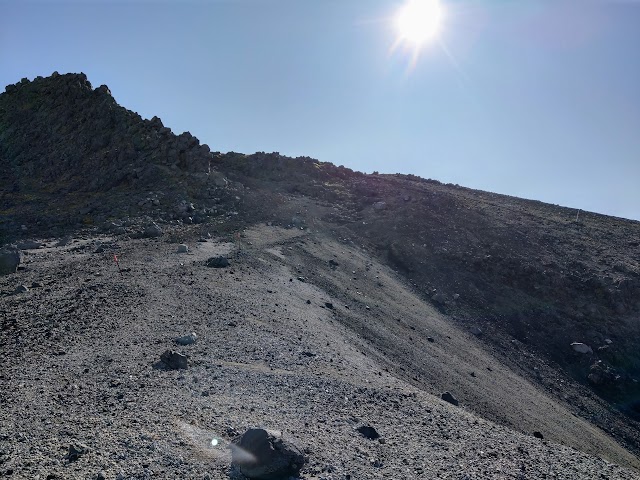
(79, 354)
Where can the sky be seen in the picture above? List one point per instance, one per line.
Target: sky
(533, 98)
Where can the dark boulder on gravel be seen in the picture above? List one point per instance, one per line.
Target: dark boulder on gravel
(447, 397)
(76, 450)
(9, 261)
(174, 360)
(152, 231)
(369, 432)
(218, 262)
(264, 455)
(29, 245)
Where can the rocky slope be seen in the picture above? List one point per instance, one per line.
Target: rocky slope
(431, 288)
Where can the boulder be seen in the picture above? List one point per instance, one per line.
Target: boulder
(76, 450)
(369, 432)
(581, 348)
(174, 360)
(153, 230)
(182, 248)
(9, 261)
(217, 262)
(29, 245)
(264, 455)
(447, 397)
(477, 331)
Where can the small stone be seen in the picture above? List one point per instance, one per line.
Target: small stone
(182, 248)
(101, 476)
(329, 305)
(581, 347)
(21, 289)
(477, 331)
(174, 360)
(76, 450)
(538, 435)
(447, 397)
(368, 431)
(189, 339)
(63, 242)
(430, 339)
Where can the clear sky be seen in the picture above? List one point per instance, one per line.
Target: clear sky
(538, 99)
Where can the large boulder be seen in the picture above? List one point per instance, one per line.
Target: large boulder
(581, 348)
(265, 455)
(9, 261)
(152, 231)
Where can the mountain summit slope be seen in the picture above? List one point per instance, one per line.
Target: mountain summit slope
(350, 299)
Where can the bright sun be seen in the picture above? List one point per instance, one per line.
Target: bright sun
(419, 21)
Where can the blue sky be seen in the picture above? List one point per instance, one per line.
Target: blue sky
(538, 99)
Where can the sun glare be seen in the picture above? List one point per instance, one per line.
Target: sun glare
(419, 21)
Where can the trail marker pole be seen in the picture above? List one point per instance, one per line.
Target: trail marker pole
(115, 257)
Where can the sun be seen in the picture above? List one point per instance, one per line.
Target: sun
(419, 21)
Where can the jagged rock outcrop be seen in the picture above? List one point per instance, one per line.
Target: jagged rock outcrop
(60, 137)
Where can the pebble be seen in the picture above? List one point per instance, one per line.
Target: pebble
(189, 339)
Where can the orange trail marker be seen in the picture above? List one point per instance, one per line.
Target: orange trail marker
(115, 257)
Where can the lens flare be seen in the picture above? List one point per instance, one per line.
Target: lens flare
(419, 21)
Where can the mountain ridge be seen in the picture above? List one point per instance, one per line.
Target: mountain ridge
(530, 276)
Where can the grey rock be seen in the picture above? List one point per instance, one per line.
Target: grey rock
(265, 455)
(189, 339)
(76, 450)
(538, 435)
(152, 230)
(174, 360)
(182, 248)
(29, 245)
(63, 242)
(477, 331)
(218, 262)
(379, 206)
(9, 261)
(439, 299)
(581, 348)
(447, 397)
(21, 289)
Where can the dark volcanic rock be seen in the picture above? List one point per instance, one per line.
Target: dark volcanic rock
(153, 230)
(174, 360)
(369, 432)
(447, 397)
(9, 261)
(218, 262)
(264, 455)
(76, 450)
